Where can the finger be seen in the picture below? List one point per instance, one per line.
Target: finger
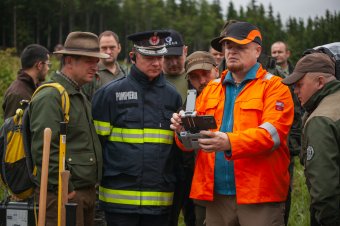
(207, 133)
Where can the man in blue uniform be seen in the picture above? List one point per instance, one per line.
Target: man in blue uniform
(132, 118)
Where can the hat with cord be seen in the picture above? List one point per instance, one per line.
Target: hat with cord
(149, 43)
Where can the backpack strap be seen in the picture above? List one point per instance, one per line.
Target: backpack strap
(65, 100)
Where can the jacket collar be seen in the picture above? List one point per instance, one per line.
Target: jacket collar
(141, 78)
(316, 98)
(23, 76)
(251, 75)
(70, 88)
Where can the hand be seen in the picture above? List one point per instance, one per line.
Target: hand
(71, 195)
(176, 122)
(217, 141)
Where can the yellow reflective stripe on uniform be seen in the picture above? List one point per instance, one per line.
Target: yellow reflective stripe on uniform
(138, 198)
(273, 132)
(102, 128)
(140, 136)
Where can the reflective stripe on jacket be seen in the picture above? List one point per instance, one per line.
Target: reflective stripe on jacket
(132, 118)
(263, 114)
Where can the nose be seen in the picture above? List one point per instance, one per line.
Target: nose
(202, 80)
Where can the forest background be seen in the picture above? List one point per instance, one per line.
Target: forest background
(23, 22)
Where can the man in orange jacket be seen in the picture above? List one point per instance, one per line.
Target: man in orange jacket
(254, 113)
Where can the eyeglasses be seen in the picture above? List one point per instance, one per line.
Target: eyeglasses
(49, 64)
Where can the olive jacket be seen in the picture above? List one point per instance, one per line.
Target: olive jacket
(320, 153)
(83, 148)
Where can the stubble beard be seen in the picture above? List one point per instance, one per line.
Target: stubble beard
(235, 67)
(109, 63)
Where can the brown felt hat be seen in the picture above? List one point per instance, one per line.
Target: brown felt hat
(82, 44)
(314, 62)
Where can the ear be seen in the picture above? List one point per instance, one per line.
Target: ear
(258, 51)
(321, 81)
(119, 48)
(132, 56)
(39, 65)
(288, 53)
(185, 50)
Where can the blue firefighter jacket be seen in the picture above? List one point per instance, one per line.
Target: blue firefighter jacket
(132, 118)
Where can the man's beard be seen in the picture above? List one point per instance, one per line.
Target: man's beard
(41, 77)
(235, 67)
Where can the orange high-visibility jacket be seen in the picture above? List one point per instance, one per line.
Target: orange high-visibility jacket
(263, 114)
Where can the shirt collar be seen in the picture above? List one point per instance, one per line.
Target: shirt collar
(71, 81)
(251, 74)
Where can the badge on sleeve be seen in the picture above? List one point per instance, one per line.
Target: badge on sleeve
(279, 106)
(310, 153)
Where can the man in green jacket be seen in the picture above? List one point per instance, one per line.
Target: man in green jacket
(319, 94)
(83, 150)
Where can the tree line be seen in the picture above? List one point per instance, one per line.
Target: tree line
(23, 22)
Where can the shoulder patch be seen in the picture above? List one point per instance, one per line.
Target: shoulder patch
(310, 153)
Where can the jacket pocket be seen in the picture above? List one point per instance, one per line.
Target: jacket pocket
(250, 113)
(83, 168)
(208, 108)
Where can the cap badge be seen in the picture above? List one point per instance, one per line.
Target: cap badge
(154, 40)
(168, 40)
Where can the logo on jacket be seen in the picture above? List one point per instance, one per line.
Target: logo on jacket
(279, 106)
(130, 95)
(310, 153)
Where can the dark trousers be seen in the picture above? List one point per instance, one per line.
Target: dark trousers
(289, 197)
(132, 219)
(182, 201)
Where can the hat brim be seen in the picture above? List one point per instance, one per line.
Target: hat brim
(216, 43)
(82, 53)
(293, 78)
(174, 51)
(201, 66)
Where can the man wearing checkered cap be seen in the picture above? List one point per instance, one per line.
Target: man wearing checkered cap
(132, 118)
(253, 112)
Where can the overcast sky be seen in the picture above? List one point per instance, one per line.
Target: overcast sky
(291, 8)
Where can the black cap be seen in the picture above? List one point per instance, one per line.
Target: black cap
(243, 33)
(215, 43)
(174, 43)
(149, 43)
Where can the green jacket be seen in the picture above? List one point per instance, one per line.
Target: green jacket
(102, 77)
(180, 82)
(83, 148)
(320, 152)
